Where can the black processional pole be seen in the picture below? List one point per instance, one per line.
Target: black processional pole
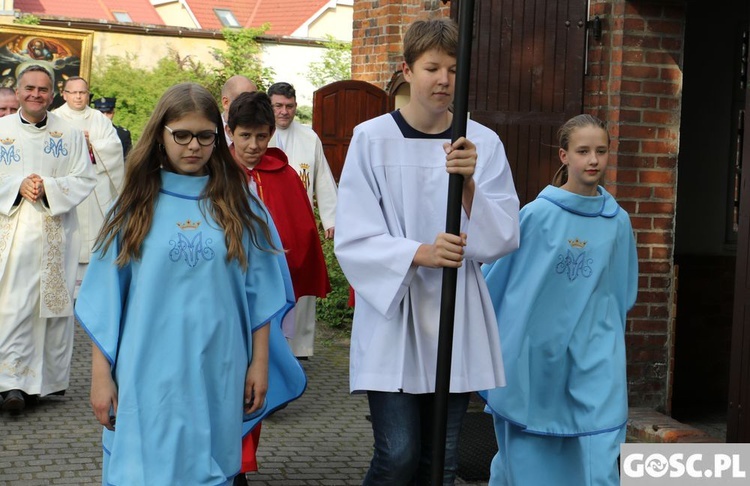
(453, 226)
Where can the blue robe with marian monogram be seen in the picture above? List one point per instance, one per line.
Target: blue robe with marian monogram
(176, 326)
(561, 301)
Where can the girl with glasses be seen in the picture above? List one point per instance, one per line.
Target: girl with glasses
(185, 279)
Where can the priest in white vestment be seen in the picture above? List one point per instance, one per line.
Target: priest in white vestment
(45, 172)
(105, 152)
(305, 152)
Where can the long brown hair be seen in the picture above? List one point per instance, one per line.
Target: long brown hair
(227, 195)
(563, 136)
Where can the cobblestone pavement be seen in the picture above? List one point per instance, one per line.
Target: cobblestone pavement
(321, 439)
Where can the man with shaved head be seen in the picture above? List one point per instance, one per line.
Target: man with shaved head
(235, 86)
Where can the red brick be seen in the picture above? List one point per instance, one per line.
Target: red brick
(664, 193)
(654, 267)
(671, 74)
(640, 41)
(639, 310)
(647, 207)
(633, 24)
(641, 222)
(632, 56)
(639, 71)
(630, 192)
(627, 86)
(637, 132)
(660, 253)
(655, 176)
(659, 57)
(668, 162)
(629, 206)
(660, 282)
(657, 147)
(669, 104)
(655, 237)
(629, 147)
(665, 27)
(633, 116)
(658, 311)
(673, 44)
(661, 88)
(663, 223)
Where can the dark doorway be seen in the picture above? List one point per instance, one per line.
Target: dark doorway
(707, 206)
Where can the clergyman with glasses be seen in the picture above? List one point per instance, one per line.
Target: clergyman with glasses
(106, 155)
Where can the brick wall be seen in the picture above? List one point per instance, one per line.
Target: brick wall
(634, 82)
(379, 26)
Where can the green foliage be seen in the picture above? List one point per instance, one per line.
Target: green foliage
(304, 114)
(138, 89)
(334, 310)
(336, 64)
(242, 56)
(27, 19)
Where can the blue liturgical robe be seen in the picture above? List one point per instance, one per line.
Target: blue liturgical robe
(176, 326)
(561, 301)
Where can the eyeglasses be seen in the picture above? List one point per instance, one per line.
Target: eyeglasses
(184, 137)
(77, 93)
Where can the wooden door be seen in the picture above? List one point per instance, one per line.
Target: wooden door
(738, 420)
(337, 109)
(527, 73)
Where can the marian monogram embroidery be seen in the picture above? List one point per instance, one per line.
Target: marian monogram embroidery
(574, 262)
(8, 153)
(190, 249)
(55, 145)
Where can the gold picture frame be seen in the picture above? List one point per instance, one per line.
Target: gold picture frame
(64, 52)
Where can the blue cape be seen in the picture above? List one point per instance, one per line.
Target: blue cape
(561, 301)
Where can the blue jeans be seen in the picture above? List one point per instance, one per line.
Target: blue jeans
(402, 424)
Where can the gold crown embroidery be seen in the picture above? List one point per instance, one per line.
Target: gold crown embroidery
(7, 141)
(577, 243)
(189, 225)
(55, 134)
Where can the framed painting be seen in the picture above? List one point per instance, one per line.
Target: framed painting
(63, 52)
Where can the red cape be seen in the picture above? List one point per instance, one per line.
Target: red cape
(282, 191)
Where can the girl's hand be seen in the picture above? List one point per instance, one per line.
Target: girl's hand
(103, 389)
(461, 157)
(447, 251)
(256, 386)
(104, 400)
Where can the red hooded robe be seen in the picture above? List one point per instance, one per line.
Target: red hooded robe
(281, 190)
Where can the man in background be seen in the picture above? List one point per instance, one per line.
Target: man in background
(105, 152)
(233, 87)
(8, 102)
(305, 152)
(107, 107)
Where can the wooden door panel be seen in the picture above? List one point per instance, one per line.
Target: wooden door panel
(527, 80)
(337, 109)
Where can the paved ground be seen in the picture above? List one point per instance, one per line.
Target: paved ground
(321, 439)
